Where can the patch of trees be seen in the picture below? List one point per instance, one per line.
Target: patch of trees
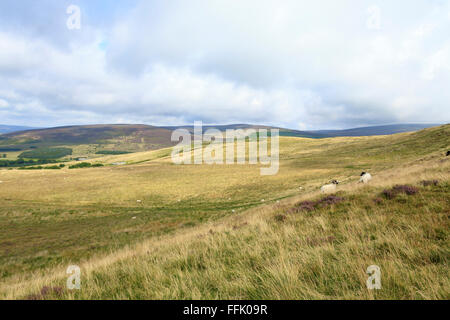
(113, 152)
(45, 168)
(23, 162)
(46, 153)
(85, 165)
(9, 149)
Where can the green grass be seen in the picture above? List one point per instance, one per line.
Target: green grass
(321, 254)
(53, 218)
(22, 162)
(66, 234)
(85, 165)
(112, 152)
(46, 153)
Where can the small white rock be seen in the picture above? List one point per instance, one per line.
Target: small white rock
(133, 218)
(233, 211)
(138, 201)
(262, 200)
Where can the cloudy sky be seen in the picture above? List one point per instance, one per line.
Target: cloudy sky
(297, 64)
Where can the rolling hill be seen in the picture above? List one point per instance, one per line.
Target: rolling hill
(117, 137)
(374, 130)
(225, 231)
(9, 129)
(354, 132)
(91, 140)
(283, 131)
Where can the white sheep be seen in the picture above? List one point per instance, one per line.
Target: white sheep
(329, 188)
(365, 177)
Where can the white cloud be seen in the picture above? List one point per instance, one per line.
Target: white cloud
(3, 103)
(290, 63)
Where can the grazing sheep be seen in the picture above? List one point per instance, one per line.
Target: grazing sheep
(329, 188)
(365, 177)
(138, 201)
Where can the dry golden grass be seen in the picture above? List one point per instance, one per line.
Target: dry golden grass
(247, 254)
(251, 255)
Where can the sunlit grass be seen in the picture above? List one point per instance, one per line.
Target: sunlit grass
(85, 216)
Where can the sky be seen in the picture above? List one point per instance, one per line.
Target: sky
(297, 64)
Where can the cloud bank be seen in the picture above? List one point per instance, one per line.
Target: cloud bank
(295, 64)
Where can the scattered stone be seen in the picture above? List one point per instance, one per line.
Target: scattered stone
(425, 183)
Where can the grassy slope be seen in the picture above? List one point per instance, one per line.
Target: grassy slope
(92, 138)
(50, 222)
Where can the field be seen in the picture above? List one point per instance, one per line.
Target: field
(87, 140)
(217, 231)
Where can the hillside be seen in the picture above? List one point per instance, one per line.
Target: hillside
(134, 138)
(8, 129)
(91, 217)
(282, 252)
(374, 130)
(317, 134)
(115, 137)
(283, 131)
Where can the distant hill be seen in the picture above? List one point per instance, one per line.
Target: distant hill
(375, 130)
(8, 129)
(354, 132)
(119, 136)
(283, 131)
(140, 137)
